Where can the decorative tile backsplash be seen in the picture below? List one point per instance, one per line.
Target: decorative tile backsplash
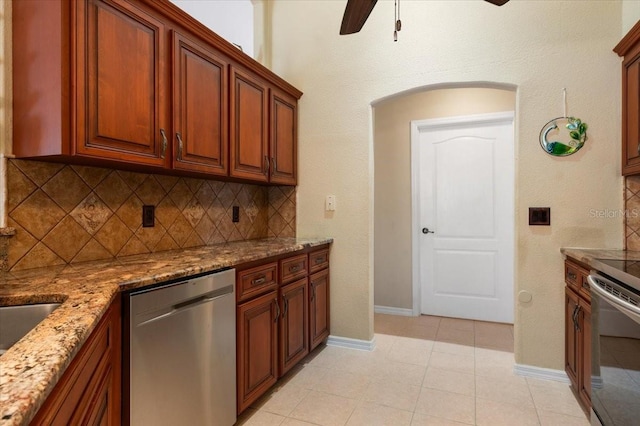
(68, 214)
(632, 216)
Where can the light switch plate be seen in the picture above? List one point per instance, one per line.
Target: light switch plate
(330, 203)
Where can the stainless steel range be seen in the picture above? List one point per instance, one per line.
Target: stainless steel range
(615, 310)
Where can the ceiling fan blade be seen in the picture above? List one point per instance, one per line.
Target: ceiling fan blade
(355, 15)
(497, 2)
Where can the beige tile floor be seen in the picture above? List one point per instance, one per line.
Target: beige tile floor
(423, 371)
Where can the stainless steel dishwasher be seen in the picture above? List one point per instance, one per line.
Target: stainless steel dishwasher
(182, 355)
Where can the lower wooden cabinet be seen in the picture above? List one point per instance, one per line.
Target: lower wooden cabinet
(578, 331)
(319, 307)
(89, 392)
(257, 347)
(282, 314)
(294, 324)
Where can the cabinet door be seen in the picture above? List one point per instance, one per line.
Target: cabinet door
(98, 410)
(294, 324)
(631, 113)
(319, 307)
(584, 337)
(283, 141)
(571, 342)
(89, 390)
(200, 108)
(122, 111)
(257, 348)
(249, 105)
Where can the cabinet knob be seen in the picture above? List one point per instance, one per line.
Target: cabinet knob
(163, 150)
(180, 145)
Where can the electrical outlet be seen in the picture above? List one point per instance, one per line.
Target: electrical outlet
(330, 203)
(235, 216)
(148, 216)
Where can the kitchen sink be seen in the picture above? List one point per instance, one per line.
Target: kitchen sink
(17, 321)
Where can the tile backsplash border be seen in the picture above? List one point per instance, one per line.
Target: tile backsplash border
(632, 209)
(64, 214)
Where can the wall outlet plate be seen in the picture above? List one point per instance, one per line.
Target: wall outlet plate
(235, 215)
(148, 216)
(539, 216)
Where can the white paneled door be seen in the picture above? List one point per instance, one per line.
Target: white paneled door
(463, 216)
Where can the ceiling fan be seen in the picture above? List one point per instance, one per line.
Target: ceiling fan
(357, 12)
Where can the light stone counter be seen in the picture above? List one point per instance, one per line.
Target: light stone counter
(30, 369)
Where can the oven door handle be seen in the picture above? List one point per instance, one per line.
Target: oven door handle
(626, 307)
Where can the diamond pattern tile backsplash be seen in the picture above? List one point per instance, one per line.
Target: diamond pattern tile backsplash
(67, 214)
(632, 209)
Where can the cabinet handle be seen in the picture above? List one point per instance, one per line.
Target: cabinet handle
(163, 150)
(275, 166)
(294, 268)
(571, 275)
(180, 145)
(277, 310)
(257, 281)
(576, 312)
(266, 163)
(319, 260)
(286, 306)
(638, 148)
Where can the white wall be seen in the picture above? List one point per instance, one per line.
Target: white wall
(537, 46)
(392, 189)
(230, 19)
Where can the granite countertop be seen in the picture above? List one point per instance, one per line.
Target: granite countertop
(592, 257)
(30, 369)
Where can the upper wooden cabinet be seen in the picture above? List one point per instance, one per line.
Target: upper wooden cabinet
(249, 126)
(200, 108)
(141, 84)
(283, 138)
(122, 111)
(263, 131)
(629, 49)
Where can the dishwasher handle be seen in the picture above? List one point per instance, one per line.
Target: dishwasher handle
(191, 303)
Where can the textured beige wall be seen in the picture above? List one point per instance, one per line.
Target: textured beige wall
(392, 193)
(538, 46)
(630, 14)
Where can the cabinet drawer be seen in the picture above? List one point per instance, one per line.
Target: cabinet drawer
(255, 281)
(576, 278)
(585, 289)
(318, 260)
(293, 268)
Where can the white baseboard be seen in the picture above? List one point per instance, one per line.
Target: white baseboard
(541, 373)
(345, 342)
(393, 311)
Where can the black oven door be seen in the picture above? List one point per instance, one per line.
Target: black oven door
(615, 357)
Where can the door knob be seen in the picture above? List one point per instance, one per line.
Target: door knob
(426, 231)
